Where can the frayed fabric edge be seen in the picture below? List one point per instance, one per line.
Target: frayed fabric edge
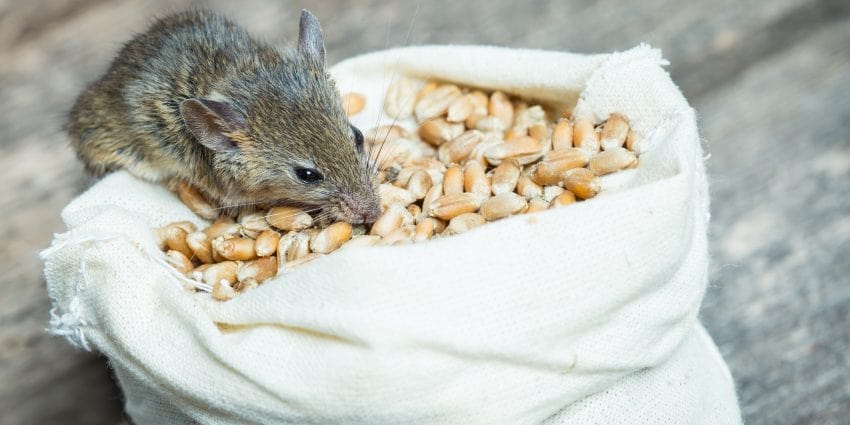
(66, 319)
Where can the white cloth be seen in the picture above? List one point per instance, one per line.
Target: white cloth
(580, 315)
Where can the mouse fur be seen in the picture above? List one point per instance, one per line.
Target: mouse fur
(196, 98)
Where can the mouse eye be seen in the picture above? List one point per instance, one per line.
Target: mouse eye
(358, 137)
(308, 175)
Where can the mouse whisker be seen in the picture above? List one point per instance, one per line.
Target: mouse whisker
(407, 38)
(289, 214)
(373, 164)
(297, 211)
(323, 217)
(375, 160)
(389, 154)
(380, 115)
(381, 146)
(377, 157)
(246, 204)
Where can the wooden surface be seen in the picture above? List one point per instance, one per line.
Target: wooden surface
(770, 79)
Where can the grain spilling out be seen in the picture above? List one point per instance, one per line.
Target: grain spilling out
(474, 158)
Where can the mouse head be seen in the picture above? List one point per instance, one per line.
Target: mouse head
(278, 130)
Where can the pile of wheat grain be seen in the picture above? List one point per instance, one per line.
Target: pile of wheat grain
(475, 157)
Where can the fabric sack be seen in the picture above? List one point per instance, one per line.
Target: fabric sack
(580, 315)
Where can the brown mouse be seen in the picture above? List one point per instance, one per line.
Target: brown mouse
(197, 98)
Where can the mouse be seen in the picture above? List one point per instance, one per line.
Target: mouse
(195, 98)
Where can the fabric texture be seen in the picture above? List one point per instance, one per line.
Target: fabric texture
(580, 315)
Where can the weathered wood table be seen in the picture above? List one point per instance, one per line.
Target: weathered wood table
(770, 79)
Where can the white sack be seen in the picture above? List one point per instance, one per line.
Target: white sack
(580, 315)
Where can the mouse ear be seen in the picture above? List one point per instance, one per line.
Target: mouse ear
(212, 122)
(310, 40)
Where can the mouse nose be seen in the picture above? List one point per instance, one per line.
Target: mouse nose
(361, 212)
(371, 214)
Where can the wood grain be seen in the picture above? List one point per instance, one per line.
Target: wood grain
(769, 79)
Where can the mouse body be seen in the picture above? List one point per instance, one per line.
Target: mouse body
(196, 98)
